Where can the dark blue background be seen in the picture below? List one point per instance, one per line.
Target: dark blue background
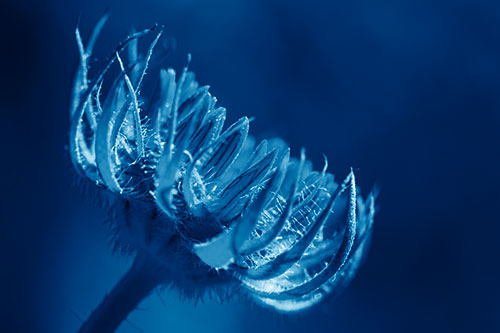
(405, 91)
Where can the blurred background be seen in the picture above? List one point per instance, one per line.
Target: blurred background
(407, 92)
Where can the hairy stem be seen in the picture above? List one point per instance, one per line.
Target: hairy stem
(140, 280)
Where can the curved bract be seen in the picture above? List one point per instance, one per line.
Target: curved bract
(289, 234)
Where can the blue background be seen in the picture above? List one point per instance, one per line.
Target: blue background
(407, 92)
